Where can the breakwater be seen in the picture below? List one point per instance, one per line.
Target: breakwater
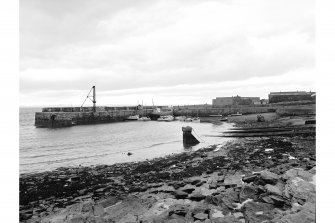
(69, 116)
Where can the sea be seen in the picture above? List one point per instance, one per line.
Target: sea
(44, 149)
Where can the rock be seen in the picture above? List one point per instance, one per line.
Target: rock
(263, 210)
(299, 189)
(278, 200)
(77, 219)
(129, 153)
(201, 216)
(306, 214)
(109, 201)
(233, 180)
(178, 209)
(226, 219)
(269, 177)
(275, 200)
(249, 178)
(199, 183)
(95, 219)
(248, 191)
(197, 197)
(129, 218)
(238, 215)
(187, 188)
(213, 185)
(273, 189)
(215, 200)
(98, 210)
(296, 172)
(193, 180)
(180, 194)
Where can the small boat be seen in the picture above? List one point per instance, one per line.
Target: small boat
(166, 118)
(180, 118)
(224, 119)
(144, 119)
(133, 117)
(215, 115)
(197, 119)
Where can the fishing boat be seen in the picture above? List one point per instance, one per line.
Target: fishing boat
(166, 118)
(144, 119)
(133, 118)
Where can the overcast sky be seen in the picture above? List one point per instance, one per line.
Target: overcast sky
(174, 52)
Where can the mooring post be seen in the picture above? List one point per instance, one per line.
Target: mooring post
(188, 138)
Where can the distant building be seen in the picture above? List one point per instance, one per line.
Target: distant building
(235, 100)
(291, 96)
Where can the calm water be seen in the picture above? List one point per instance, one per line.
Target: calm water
(46, 149)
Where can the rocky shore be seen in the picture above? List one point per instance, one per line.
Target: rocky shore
(268, 179)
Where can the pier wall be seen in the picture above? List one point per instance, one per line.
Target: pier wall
(65, 119)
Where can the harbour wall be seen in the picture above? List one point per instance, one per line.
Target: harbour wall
(65, 119)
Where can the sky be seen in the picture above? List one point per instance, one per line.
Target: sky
(167, 51)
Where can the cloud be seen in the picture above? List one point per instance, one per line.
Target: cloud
(71, 45)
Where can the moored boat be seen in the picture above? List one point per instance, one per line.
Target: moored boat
(166, 118)
(133, 118)
(195, 119)
(144, 119)
(224, 119)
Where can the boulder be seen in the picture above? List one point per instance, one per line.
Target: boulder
(233, 180)
(297, 172)
(200, 216)
(300, 189)
(180, 194)
(269, 177)
(78, 219)
(250, 178)
(98, 210)
(255, 212)
(226, 219)
(307, 214)
(273, 189)
(197, 197)
(248, 191)
(275, 200)
(179, 210)
(187, 188)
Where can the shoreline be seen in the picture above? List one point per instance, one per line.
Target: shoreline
(189, 179)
